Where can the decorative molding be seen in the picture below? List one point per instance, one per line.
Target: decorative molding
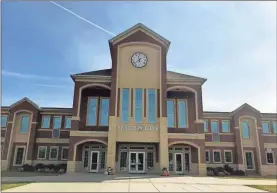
(220, 144)
(51, 140)
(270, 145)
(186, 136)
(89, 133)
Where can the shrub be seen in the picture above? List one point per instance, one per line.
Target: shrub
(238, 173)
(60, 168)
(39, 167)
(228, 169)
(27, 168)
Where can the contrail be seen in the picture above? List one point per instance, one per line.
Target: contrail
(95, 25)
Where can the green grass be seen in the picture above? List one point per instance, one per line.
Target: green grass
(5, 186)
(248, 177)
(269, 188)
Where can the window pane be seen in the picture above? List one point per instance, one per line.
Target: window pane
(265, 126)
(269, 157)
(207, 156)
(217, 157)
(104, 116)
(45, 122)
(55, 133)
(182, 114)
(138, 105)
(225, 126)
(19, 156)
(228, 157)
(65, 153)
(57, 122)
(214, 125)
(123, 160)
(125, 105)
(92, 111)
(274, 126)
(151, 106)
(170, 114)
(4, 119)
(206, 126)
(54, 153)
(24, 124)
(42, 153)
(245, 130)
(86, 159)
(68, 122)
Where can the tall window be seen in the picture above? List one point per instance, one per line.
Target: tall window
(24, 124)
(138, 105)
(245, 130)
(125, 105)
(274, 126)
(269, 158)
(92, 111)
(151, 106)
(64, 155)
(104, 112)
(182, 114)
(57, 122)
(265, 126)
(214, 125)
(53, 153)
(45, 123)
(170, 114)
(42, 152)
(4, 119)
(228, 156)
(225, 126)
(206, 126)
(217, 156)
(67, 122)
(208, 159)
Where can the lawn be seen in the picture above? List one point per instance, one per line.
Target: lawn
(26, 174)
(269, 188)
(248, 177)
(5, 186)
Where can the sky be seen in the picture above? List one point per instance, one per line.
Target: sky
(232, 44)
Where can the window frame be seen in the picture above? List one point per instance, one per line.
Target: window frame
(272, 125)
(54, 147)
(57, 116)
(228, 151)
(64, 147)
(15, 153)
(268, 124)
(29, 124)
(213, 120)
(6, 121)
(100, 111)
(66, 117)
(45, 155)
(121, 105)
(228, 122)
(142, 104)
(97, 111)
(174, 112)
(214, 151)
(273, 158)
(49, 122)
(209, 153)
(147, 105)
(177, 109)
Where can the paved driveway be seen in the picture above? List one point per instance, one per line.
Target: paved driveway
(133, 183)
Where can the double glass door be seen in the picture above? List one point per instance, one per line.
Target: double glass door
(136, 162)
(182, 164)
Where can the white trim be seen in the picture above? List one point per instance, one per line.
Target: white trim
(40, 147)
(42, 117)
(54, 147)
(225, 156)
(209, 156)
(144, 164)
(15, 153)
(64, 147)
(216, 150)
(23, 100)
(272, 152)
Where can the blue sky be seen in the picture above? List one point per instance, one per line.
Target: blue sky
(232, 44)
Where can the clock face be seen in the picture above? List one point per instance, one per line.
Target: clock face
(139, 60)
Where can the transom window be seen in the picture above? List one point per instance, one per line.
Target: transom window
(24, 126)
(217, 156)
(225, 126)
(42, 150)
(4, 120)
(45, 123)
(265, 125)
(270, 157)
(245, 130)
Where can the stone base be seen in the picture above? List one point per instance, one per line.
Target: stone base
(268, 170)
(4, 165)
(202, 169)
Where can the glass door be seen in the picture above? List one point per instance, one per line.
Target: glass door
(178, 163)
(94, 161)
(133, 162)
(249, 160)
(141, 163)
(136, 162)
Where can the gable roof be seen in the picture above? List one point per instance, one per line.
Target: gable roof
(104, 72)
(142, 27)
(25, 99)
(243, 106)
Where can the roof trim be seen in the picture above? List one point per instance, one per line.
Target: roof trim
(25, 99)
(143, 27)
(245, 105)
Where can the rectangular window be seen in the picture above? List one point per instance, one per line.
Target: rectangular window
(217, 156)
(151, 114)
(104, 111)
(4, 119)
(42, 152)
(225, 126)
(45, 123)
(19, 156)
(64, 153)
(57, 122)
(207, 152)
(182, 114)
(150, 160)
(206, 126)
(24, 126)
(228, 157)
(265, 126)
(269, 158)
(274, 127)
(125, 105)
(92, 111)
(123, 160)
(67, 122)
(170, 113)
(214, 125)
(103, 159)
(245, 130)
(138, 105)
(53, 153)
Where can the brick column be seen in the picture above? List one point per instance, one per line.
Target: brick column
(239, 152)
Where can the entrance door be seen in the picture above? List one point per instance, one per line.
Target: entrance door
(136, 162)
(249, 160)
(178, 163)
(94, 159)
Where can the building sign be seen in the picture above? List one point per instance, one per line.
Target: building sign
(139, 128)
